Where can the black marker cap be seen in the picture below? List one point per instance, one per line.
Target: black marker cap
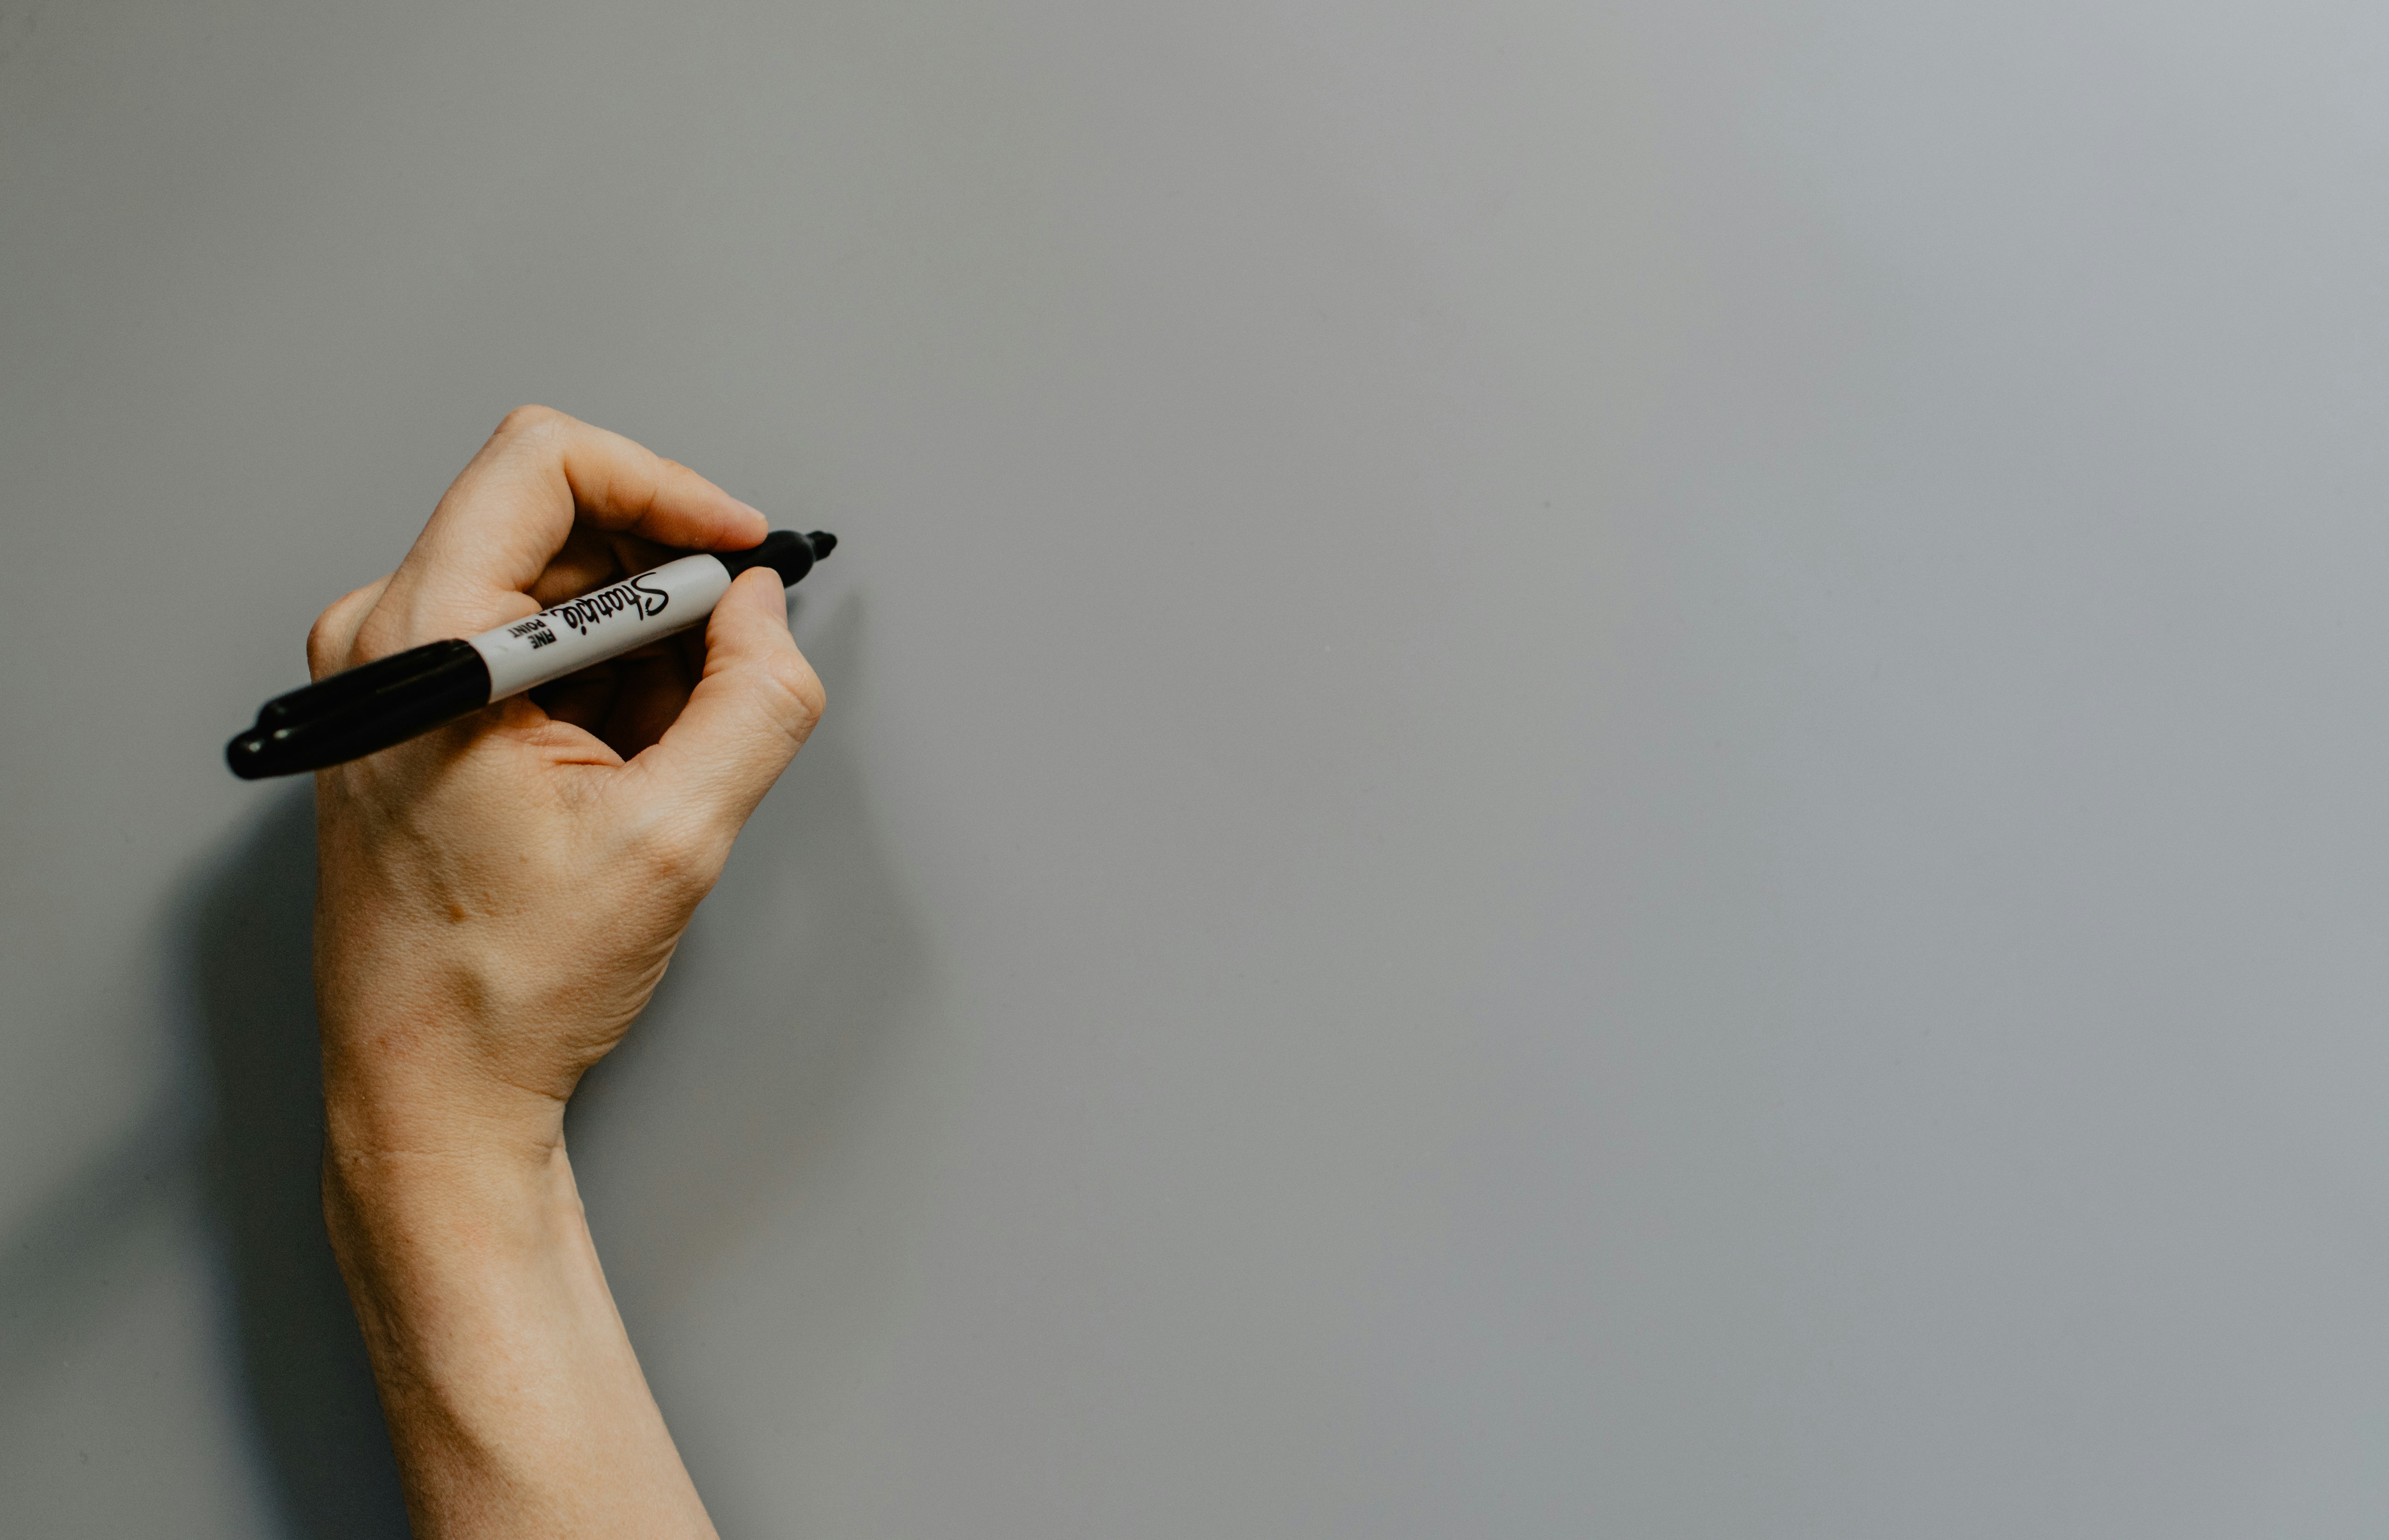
(785, 551)
(350, 714)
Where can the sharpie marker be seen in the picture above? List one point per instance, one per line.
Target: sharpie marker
(352, 714)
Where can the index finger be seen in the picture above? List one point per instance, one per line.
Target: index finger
(512, 506)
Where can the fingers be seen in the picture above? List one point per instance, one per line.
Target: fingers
(585, 700)
(334, 635)
(515, 507)
(592, 558)
(751, 710)
(655, 688)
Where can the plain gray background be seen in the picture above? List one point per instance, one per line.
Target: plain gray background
(1594, 770)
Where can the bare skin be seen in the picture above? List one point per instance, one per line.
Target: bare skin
(497, 902)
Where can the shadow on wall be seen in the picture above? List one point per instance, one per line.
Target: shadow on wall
(800, 969)
(309, 1388)
(241, 1137)
(237, 1137)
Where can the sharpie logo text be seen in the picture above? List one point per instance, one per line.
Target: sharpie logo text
(636, 595)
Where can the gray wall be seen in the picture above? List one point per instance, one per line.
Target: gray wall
(1592, 770)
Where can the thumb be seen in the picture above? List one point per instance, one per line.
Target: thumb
(749, 714)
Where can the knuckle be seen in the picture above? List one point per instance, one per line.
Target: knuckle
(322, 643)
(526, 419)
(377, 636)
(329, 638)
(799, 688)
(683, 858)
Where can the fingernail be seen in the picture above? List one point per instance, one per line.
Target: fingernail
(760, 515)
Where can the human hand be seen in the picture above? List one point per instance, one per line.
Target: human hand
(498, 899)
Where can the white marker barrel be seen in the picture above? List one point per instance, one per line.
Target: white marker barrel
(604, 624)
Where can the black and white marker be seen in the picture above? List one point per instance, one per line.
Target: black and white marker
(352, 714)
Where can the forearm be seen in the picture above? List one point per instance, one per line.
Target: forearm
(514, 1399)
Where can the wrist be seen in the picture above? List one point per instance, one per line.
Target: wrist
(403, 1086)
(414, 1201)
(433, 1166)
